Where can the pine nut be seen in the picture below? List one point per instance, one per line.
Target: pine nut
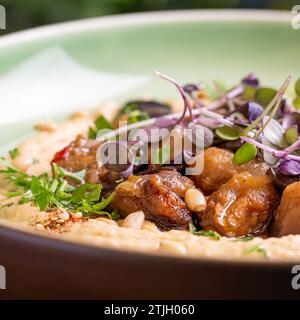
(39, 227)
(64, 216)
(77, 215)
(195, 200)
(134, 221)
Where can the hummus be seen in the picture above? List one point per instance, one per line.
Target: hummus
(133, 233)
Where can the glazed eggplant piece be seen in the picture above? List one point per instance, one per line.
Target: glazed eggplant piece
(287, 216)
(160, 196)
(281, 181)
(81, 155)
(242, 206)
(162, 204)
(126, 200)
(218, 169)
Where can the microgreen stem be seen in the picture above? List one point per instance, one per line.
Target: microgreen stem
(293, 147)
(281, 154)
(186, 102)
(229, 96)
(277, 98)
(150, 122)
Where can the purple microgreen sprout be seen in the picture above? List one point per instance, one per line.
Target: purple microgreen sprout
(254, 111)
(186, 102)
(175, 117)
(289, 167)
(251, 110)
(250, 80)
(190, 88)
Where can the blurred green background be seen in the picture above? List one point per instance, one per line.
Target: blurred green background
(22, 14)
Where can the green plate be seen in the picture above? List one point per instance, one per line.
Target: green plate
(188, 45)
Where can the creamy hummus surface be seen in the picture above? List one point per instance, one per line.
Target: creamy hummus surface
(132, 233)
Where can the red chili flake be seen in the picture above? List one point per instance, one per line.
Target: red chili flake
(61, 154)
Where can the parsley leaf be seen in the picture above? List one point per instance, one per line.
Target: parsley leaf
(86, 192)
(14, 153)
(41, 195)
(100, 124)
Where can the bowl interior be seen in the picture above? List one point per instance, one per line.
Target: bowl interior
(198, 49)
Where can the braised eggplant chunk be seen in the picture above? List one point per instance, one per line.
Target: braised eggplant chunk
(160, 196)
(218, 169)
(287, 215)
(175, 182)
(81, 155)
(240, 207)
(126, 200)
(162, 205)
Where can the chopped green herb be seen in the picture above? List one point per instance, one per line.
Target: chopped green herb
(115, 215)
(245, 153)
(92, 133)
(100, 124)
(203, 233)
(87, 192)
(297, 87)
(14, 153)
(75, 176)
(256, 249)
(136, 116)
(104, 203)
(208, 233)
(55, 191)
(13, 194)
(192, 227)
(245, 238)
